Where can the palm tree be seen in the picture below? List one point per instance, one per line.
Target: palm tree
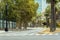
(53, 15)
(53, 19)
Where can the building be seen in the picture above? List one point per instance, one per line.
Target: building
(42, 5)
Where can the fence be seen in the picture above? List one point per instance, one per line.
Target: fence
(10, 25)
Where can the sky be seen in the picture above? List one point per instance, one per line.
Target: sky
(42, 5)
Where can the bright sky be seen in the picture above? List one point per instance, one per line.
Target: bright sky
(42, 5)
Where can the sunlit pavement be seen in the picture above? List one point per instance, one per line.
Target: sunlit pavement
(31, 37)
(28, 35)
(30, 31)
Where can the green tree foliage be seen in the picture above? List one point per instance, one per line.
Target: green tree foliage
(49, 1)
(53, 14)
(47, 14)
(48, 9)
(27, 9)
(58, 6)
(20, 10)
(10, 5)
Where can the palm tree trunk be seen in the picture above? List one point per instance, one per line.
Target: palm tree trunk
(53, 17)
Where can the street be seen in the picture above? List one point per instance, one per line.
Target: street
(28, 35)
(46, 37)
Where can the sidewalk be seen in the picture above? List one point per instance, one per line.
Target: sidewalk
(2, 31)
(47, 31)
(29, 31)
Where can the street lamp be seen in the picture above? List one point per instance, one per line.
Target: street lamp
(6, 11)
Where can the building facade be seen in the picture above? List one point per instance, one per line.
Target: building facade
(42, 5)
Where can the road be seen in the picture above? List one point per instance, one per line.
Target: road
(30, 34)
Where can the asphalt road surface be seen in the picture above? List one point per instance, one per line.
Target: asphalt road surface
(28, 35)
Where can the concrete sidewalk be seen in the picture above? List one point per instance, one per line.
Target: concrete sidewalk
(47, 32)
(30, 31)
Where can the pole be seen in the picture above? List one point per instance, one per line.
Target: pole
(6, 29)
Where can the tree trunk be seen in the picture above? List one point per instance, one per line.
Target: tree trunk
(18, 24)
(53, 17)
(25, 25)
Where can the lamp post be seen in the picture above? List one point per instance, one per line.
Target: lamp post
(6, 11)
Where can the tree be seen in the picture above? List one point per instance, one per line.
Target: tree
(58, 14)
(21, 11)
(53, 15)
(47, 14)
(27, 11)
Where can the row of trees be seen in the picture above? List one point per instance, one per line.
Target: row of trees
(20, 11)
